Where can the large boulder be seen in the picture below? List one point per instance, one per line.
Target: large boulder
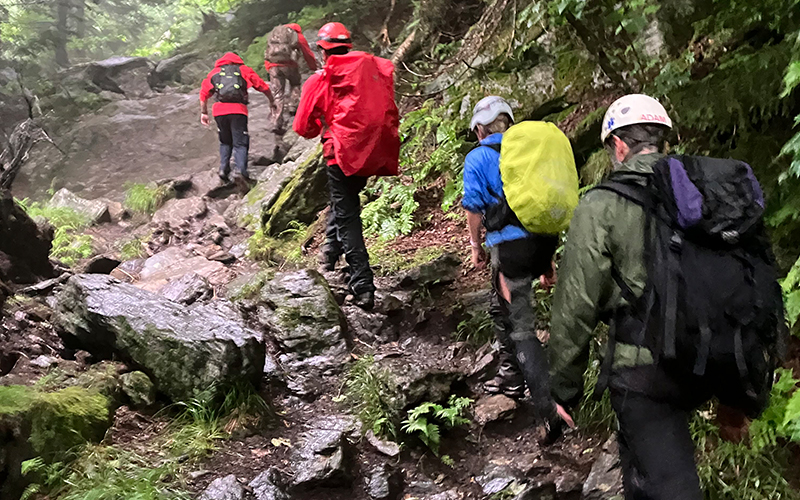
(173, 264)
(183, 350)
(271, 182)
(302, 198)
(302, 315)
(169, 70)
(24, 246)
(122, 75)
(94, 211)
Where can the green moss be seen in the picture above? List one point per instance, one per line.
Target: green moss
(302, 198)
(597, 167)
(574, 71)
(249, 289)
(390, 261)
(132, 249)
(59, 420)
(68, 245)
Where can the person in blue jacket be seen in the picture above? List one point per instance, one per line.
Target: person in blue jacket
(517, 257)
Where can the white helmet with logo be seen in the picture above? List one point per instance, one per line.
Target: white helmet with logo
(631, 110)
(488, 109)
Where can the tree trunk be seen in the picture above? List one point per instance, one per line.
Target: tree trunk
(405, 48)
(62, 33)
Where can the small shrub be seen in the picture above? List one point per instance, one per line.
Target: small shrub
(425, 421)
(371, 394)
(68, 246)
(132, 249)
(596, 417)
(286, 247)
(146, 198)
(390, 261)
(477, 328)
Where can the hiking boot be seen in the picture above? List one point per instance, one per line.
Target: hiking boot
(224, 178)
(508, 382)
(553, 430)
(364, 300)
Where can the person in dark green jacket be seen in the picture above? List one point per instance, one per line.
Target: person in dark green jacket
(606, 237)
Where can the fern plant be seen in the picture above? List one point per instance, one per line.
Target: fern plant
(392, 213)
(425, 421)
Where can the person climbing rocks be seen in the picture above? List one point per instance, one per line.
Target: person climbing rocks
(351, 103)
(284, 45)
(517, 258)
(229, 82)
(671, 252)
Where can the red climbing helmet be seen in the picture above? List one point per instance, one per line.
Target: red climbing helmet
(334, 35)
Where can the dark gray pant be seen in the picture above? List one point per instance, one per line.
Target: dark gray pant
(344, 234)
(233, 140)
(520, 262)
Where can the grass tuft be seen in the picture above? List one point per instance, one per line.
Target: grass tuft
(477, 328)
(146, 198)
(68, 246)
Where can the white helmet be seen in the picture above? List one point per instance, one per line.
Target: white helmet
(488, 109)
(632, 109)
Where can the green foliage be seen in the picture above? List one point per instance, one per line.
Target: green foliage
(477, 328)
(595, 417)
(147, 198)
(286, 247)
(132, 249)
(252, 288)
(425, 421)
(791, 296)
(781, 420)
(732, 471)
(209, 417)
(389, 261)
(372, 395)
(349, 12)
(392, 213)
(105, 473)
(68, 246)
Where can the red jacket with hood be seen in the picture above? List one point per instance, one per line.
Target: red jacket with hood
(351, 102)
(308, 54)
(250, 76)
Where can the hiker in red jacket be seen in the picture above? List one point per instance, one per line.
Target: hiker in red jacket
(229, 81)
(281, 62)
(351, 103)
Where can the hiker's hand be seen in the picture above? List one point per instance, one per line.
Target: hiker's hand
(478, 257)
(565, 416)
(548, 279)
(204, 119)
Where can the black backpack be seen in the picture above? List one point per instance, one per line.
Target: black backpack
(712, 309)
(229, 84)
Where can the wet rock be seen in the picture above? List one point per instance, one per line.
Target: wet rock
(139, 389)
(187, 289)
(477, 301)
(269, 485)
(44, 362)
(371, 326)
(177, 211)
(224, 488)
(174, 263)
(100, 264)
(94, 211)
(325, 458)
(392, 303)
(302, 198)
(299, 148)
(183, 349)
(416, 381)
(605, 479)
(122, 75)
(384, 483)
(493, 408)
(495, 478)
(388, 448)
(300, 312)
(24, 246)
(169, 70)
(440, 271)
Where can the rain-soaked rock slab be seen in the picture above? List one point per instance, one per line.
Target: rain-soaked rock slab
(183, 349)
(326, 456)
(94, 211)
(224, 488)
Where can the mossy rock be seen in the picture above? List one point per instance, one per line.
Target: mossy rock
(585, 138)
(139, 389)
(45, 424)
(302, 198)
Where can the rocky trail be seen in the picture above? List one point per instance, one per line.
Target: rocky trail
(196, 313)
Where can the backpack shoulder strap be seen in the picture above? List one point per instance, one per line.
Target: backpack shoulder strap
(628, 190)
(495, 147)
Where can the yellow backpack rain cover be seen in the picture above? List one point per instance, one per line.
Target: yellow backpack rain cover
(540, 181)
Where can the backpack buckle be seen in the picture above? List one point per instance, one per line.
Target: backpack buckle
(676, 243)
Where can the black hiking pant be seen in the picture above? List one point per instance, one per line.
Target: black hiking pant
(655, 446)
(520, 262)
(344, 234)
(233, 140)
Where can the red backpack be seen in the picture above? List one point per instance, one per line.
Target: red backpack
(362, 114)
